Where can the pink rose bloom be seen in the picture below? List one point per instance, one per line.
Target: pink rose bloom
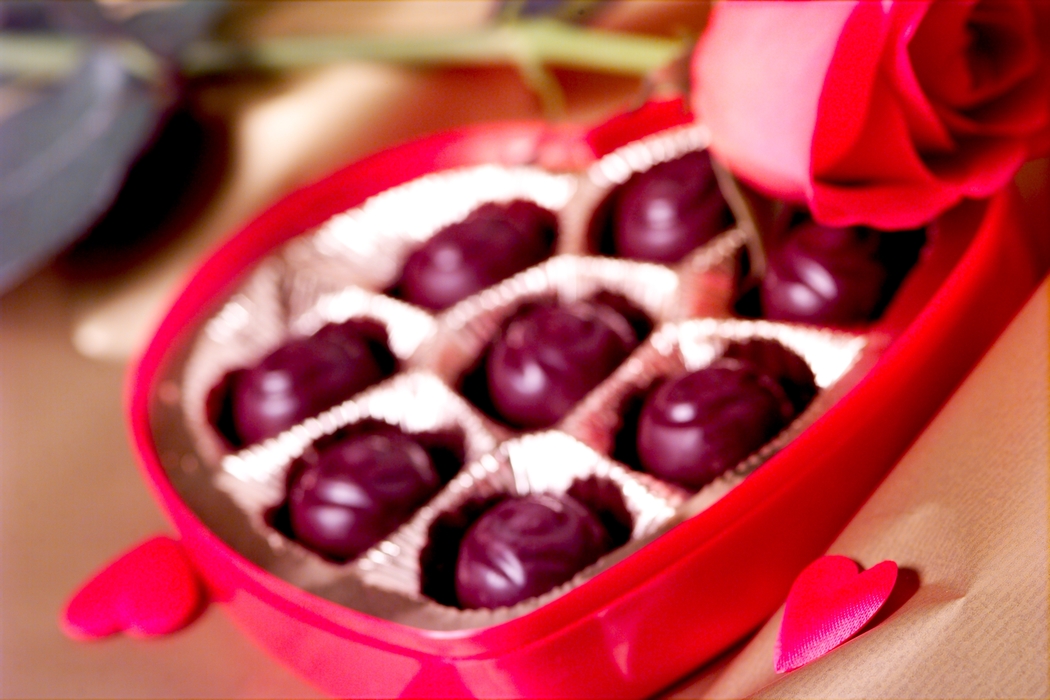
(877, 113)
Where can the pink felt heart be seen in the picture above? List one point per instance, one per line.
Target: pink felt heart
(150, 590)
(830, 601)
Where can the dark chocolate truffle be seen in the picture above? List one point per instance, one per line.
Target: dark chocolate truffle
(665, 212)
(524, 547)
(824, 275)
(358, 491)
(695, 427)
(550, 356)
(300, 379)
(493, 243)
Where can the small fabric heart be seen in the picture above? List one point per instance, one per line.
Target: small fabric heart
(830, 601)
(150, 590)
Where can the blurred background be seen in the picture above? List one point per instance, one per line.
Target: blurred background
(135, 137)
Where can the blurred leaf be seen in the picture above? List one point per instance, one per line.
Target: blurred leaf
(38, 15)
(167, 28)
(163, 27)
(63, 158)
(579, 11)
(167, 187)
(23, 16)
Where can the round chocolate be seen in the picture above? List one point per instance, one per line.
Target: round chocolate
(695, 427)
(493, 243)
(665, 212)
(550, 356)
(358, 491)
(824, 275)
(300, 379)
(784, 366)
(525, 546)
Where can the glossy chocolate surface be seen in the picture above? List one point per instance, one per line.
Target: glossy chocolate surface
(549, 357)
(669, 210)
(824, 275)
(493, 243)
(524, 547)
(695, 427)
(300, 379)
(359, 490)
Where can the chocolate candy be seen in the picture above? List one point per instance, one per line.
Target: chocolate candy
(695, 427)
(300, 379)
(359, 490)
(670, 209)
(493, 243)
(784, 366)
(824, 275)
(524, 547)
(550, 356)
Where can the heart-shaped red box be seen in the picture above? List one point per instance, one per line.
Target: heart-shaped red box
(651, 618)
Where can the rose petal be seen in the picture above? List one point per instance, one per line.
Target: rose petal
(1023, 111)
(928, 131)
(842, 113)
(884, 153)
(1039, 143)
(872, 184)
(893, 206)
(983, 166)
(966, 54)
(829, 602)
(872, 161)
(918, 105)
(758, 74)
(938, 51)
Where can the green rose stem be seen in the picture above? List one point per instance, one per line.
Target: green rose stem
(531, 45)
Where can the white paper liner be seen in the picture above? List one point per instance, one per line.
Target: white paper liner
(408, 329)
(617, 167)
(677, 348)
(414, 402)
(708, 275)
(247, 327)
(367, 245)
(549, 462)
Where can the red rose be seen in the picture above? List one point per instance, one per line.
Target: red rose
(878, 113)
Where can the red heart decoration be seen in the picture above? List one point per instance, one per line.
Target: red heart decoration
(830, 601)
(150, 590)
